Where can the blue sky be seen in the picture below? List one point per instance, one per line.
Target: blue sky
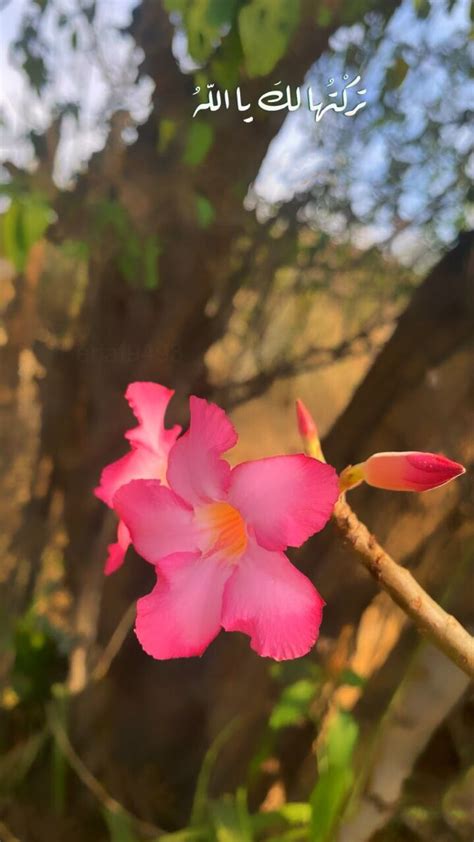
(351, 158)
(99, 75)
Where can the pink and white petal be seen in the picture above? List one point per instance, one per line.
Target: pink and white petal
(274, 603)
(182, 614)
(195, 470)
(140, 463)
(117, 551)
(149, 402)
(160, 523)
(284, 498)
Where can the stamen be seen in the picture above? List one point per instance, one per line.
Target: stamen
(221, 530)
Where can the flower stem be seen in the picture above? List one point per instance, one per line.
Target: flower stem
(431, 619)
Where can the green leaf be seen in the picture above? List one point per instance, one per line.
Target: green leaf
(293, 705)
(59, 766)
(175, 5)
(22, 225)
(120, 826)
(205, 22)
(336, 776)
(396, 74)
(341, 739)
(422, 8)
(198, 143)
(231, 819)
(324, 16)
(352, 679)
(221, 12)
(37, 657)
(35, 69)
(75, 249)
(204, 211)
(200, 803)
(225, 66)
(137, 258)
(167, 131)
(295, 812)
(266, 27)
(151, 252)
(202, 30)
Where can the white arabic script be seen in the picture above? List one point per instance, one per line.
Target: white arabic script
(281, 98)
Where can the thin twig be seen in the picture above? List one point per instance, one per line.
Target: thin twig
(114, 645)
(90, 781)
(433, 621)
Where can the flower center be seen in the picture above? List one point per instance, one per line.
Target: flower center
(221, 530)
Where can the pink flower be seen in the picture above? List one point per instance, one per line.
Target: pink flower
(409, 471)
(217, 536)
(148, 457)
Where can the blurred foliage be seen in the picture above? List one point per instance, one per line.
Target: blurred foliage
(205, 212)
(136, 256)
(39, 658)
(28, 217)
(120, 827)
(336, 775)
(259, 31)
(266, 27)
(198, 144)
(23, 224)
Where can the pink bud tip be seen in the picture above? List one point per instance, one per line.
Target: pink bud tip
(410, 471)
(306, 425)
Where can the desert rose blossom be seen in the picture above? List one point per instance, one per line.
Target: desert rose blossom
(410, 470)
(150, 443)
(217, 537)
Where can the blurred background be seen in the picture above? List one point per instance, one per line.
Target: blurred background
(250, 263)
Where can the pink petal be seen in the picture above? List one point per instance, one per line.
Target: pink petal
(195, 470)
(160, 523)
(271, 601)
(410, 470)
(284, 498)
(182, 614)
(149, 402)
(140, 463)
(116, 552)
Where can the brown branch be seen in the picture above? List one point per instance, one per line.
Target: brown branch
(441, 628)
(316, 357)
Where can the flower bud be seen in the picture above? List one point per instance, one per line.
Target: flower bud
(308, 431)
(409, 471)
